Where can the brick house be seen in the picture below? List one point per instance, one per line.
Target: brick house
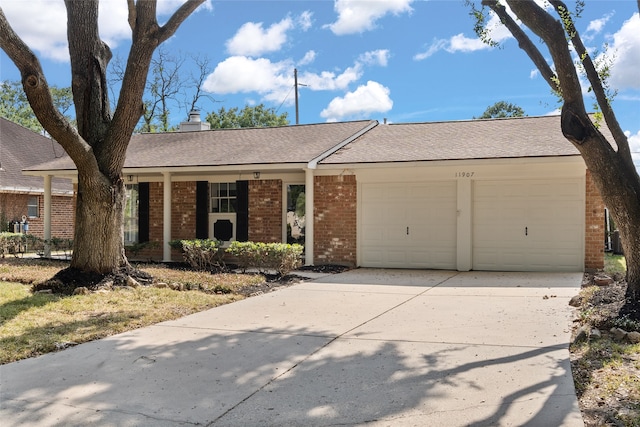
(505, 194)
(23, 196)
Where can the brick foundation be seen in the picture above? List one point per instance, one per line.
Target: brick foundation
(594, 227)
(335, 206)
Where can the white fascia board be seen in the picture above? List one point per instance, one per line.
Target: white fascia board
(313, 164)
(465, 162)
(212, 169)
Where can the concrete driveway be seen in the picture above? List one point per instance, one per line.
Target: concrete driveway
(365, 347)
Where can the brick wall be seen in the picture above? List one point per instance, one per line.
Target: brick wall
(594, 227)
(183, 218)
(62, 213)
(335, 205)
(265, 211)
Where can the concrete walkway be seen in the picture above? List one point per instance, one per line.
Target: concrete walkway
(365, 347)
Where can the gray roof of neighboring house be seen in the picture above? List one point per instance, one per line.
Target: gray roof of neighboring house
(21, 148)
(221, 147)
(458, 140)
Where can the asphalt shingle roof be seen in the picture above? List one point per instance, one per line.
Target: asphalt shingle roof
(21, 148)
(458, 140)
(220, 147)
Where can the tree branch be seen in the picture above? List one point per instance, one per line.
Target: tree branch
(594, 79)
(132, 14)
(525, 43)
(37, 91)
(178, 18)
(552, 32)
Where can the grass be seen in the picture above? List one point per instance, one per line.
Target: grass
(34, 324)
(614, 264)
(606, 372)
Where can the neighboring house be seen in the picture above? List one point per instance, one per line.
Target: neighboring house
(23, 196)
(502, 194)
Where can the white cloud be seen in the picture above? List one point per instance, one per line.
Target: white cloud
(634, 145)
(240, 74)
(308, 58)
(365, 100)
(304, 20)
(597, 25)
(357, 16)
(327, 80)
(534, 73)
(253, 40)
(625, 54)
(274, 80)
(375, 57)
(461, 43)
(42, 24)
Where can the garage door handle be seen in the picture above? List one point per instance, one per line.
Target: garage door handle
(407, 231)
(526, 231)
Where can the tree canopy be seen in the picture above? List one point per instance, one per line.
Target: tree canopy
(14, 105)
(502, 109)
(248, 117)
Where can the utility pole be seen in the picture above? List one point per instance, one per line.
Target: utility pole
(295, 79)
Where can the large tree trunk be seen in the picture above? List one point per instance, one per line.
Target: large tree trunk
(98, 146)
(98, 242)
(618, 184)
(611, 166)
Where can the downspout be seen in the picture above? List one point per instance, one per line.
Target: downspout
(309, 193)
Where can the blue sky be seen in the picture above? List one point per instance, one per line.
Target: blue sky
(403, 60)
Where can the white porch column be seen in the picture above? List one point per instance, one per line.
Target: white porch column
(166, 216)
(47, 215)
(308, 215)
(465, 228)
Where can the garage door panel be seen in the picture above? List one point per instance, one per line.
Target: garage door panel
(418, 222)
(528, 225)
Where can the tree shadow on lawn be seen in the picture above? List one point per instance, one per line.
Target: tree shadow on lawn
(11, 309)
(54, 336)
(291, 376)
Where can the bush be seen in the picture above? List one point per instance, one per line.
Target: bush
(281, 257)
(200, 254)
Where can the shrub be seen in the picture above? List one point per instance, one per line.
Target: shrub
(200, 254)
(281, 257)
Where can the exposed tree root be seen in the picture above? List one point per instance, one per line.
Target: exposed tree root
(67, 280)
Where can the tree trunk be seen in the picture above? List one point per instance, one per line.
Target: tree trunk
(98, 244)
(618, 184)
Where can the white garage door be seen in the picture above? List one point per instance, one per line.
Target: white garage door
(408, 225)
(535, 225)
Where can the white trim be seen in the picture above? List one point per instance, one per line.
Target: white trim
(314, 162)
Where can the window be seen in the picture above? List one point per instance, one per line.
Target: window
(223, 197)
(131, 234)
(33, 205)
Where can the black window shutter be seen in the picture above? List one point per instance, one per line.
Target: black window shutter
(143, 212)
(202, 210)
(242, 211)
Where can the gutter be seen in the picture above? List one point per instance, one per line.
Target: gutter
(313, 164)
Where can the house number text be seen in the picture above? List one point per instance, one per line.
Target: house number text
(464, 174)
